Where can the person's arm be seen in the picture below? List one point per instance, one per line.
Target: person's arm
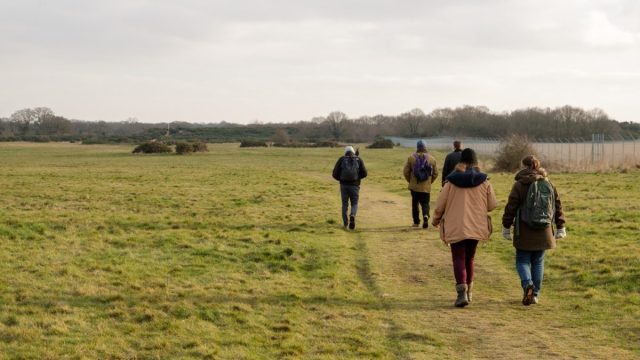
(559, 215)
(441, 205)
(446, 169)
(336, 170)
(492, 203)
(407, 170)
(434, 176)
(512, 207)
(363, 170)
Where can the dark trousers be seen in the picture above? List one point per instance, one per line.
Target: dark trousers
(422, 199)
(463, 254)
(349, 193)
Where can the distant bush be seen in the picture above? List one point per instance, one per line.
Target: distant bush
(200, 147)
(511, 152)
(381, 143)
(327, 143)
(152, 147)
(252, 143)
(297, 144)
(281, 138)
(184, 148)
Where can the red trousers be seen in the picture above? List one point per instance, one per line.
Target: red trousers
(463, 254)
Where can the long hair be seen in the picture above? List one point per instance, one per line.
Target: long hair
(468, 160)
(531, 162)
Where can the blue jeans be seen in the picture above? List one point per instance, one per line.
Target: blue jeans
(530, 266)
(349, 193)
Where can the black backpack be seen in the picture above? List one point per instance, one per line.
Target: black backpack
(350, 168)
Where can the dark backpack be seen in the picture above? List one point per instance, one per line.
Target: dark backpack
(539, 207)
(350, 168)
(422, 168)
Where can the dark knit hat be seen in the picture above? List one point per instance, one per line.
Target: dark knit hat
(468, 156)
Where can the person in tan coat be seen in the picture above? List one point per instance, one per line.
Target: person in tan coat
(462, 215)
(420, 189)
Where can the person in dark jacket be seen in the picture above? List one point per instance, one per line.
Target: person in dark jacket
(451, 160)
(530, 243)
(349, 170)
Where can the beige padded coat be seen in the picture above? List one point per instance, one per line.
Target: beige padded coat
(463, 206)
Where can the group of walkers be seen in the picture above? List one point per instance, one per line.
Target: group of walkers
(462, 207)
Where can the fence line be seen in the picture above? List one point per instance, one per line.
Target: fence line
(602, 151)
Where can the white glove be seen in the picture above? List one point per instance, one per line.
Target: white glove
(506, 233)
(561, 233)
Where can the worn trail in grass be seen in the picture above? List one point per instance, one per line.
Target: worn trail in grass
(409, 272)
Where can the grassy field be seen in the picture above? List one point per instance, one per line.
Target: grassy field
(240, 254)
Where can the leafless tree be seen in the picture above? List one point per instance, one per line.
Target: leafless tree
(337, 121)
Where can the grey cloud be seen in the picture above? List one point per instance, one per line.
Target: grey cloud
(252, 55)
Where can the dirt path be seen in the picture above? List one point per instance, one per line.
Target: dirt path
(409, 270)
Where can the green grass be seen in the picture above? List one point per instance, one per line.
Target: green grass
(239, 254)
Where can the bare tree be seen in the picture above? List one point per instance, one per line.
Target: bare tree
(53, 125)
(413, 120)
(336, 121)
(22, 120)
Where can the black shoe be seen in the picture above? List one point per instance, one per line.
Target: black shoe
(352, 222)
(528, 296)
(425, 222)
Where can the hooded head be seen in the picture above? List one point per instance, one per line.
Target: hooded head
(349, 149)
(467, 174)
(421, 145)
(469, 157)
(532, 171)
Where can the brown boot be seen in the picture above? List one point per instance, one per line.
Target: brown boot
(469, 288)
(461, 300)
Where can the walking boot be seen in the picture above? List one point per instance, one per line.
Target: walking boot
(469, 288)
(527, 299)
(461, 300)
(352, 222)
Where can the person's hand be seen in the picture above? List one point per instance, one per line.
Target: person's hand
(561, 233)
(506, 233)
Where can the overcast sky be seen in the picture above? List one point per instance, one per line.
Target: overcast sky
(289, 60)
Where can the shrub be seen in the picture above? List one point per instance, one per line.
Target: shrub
(152, 147)
(327, 143)
(512, 150)
(200, 147)
(253, 143)
(184, 148)
(381, 143)
(280, 137)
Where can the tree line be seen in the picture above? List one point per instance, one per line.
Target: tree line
(42, 124)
